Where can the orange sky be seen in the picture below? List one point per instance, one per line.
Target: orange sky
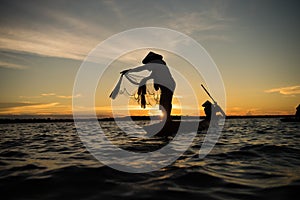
(254, 45)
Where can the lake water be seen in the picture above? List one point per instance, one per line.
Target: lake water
(257, 158)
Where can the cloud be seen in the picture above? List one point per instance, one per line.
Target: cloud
(15, 104)
(61, 33)
(8, 65)
(195, 22)
(252, 111)
(51, 95)
(48, 94)
(49, 42)
(209, 23)
(70, 33)
(291, 90)
(68, 97)
(115, 8)
(28, 108)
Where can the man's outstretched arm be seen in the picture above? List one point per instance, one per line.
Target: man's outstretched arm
(137, 69)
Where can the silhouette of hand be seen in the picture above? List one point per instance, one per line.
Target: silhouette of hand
(124, 71)
(219, 109)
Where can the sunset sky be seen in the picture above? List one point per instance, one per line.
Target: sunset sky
(255, 45)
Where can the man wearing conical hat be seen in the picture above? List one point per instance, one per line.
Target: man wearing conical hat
(162, 78)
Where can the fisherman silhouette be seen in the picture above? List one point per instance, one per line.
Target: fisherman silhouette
(297, 114)
(162, 79)
(208, 110)
(211, 118)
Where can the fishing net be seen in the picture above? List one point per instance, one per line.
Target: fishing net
(139, 87)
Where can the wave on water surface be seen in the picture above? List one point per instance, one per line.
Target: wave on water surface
(253, 159)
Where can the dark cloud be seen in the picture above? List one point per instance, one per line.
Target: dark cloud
(4, 106)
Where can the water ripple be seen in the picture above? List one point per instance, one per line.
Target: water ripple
(253, 159)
